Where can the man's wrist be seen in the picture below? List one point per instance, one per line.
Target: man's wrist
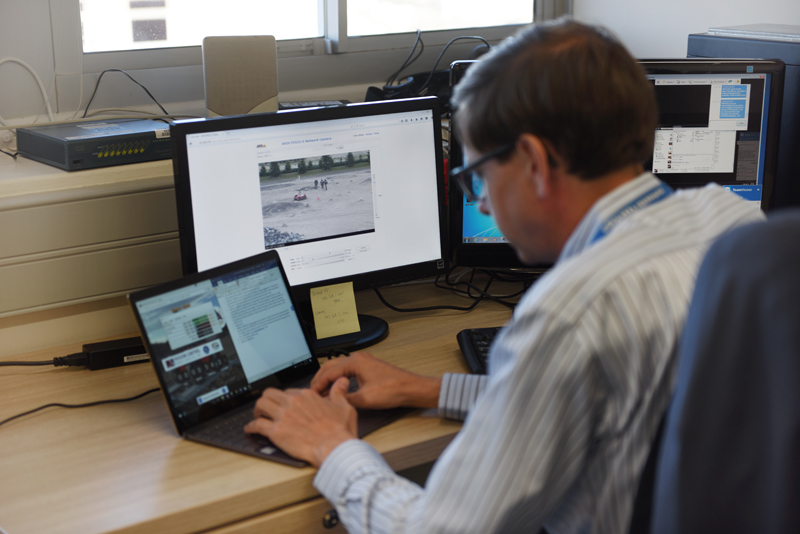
(327, 446)
(424, 392)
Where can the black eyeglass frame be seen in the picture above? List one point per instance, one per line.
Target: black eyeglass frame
(460, 173)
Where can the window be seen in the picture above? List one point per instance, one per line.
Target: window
(190, 21)
(322, 44)
(147, 3)
(149, 30)
(377, 17)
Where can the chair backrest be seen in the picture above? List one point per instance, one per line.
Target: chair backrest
(643, 504)
(729, 460)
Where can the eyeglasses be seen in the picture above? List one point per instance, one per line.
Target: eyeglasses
(470, 182)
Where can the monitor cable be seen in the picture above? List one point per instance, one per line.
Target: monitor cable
(436, 64)
(481, 295)
(407, 62)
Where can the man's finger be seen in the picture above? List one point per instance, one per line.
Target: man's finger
(339, 390)
(260, 425)
(270, 403)
(326, 376)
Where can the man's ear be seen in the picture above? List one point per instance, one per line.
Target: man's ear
(535, 152)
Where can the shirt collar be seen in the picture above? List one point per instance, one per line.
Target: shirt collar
(605, 207)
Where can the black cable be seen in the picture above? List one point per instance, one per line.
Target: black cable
(493, 275)
(407, 63)
(72, 360)
(86, 405)
(434, 308)
(134, 81)
(428, 308)
(433, 70)
(14, 155)
(9, 364)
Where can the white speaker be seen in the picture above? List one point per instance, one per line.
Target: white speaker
(240, 74)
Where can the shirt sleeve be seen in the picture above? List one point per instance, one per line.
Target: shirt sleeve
(507, 470)
(459, 393)
(367, 494)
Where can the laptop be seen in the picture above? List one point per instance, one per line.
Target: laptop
(217, 339)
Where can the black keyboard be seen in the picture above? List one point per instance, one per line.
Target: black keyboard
(474, 344)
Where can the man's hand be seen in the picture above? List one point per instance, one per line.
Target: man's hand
(304, 424)
(380, 384)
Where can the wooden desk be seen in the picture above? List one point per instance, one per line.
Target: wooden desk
(122, 468)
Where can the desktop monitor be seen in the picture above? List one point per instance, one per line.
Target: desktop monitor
(719, 121)
(475, 239)
(349, 193)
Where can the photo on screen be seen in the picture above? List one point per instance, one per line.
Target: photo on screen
(315, 198)
(192, 343)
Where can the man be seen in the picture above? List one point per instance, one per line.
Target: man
(557, 122)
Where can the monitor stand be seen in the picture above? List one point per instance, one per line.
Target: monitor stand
(373, 330)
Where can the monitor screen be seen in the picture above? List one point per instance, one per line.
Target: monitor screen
(475, 239)
(719, 121)
(348, 193)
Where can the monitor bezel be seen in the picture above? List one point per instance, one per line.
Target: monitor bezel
(366, 280)
(483, 255)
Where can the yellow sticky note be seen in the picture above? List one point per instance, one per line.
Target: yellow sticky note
(334, 310)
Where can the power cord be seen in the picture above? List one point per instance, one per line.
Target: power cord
(72, 360)
(85, 405)
(94, 356)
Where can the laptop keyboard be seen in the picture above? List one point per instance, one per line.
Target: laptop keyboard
(229, 430)
(474, 344)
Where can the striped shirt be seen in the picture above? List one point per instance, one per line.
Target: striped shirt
(558, 432)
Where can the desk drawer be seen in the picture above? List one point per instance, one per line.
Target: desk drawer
(303, 518)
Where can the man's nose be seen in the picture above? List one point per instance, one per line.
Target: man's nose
(483, 206)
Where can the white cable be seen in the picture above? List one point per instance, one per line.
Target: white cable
(38, 81)
(118, 110)
(94, 119)
(80, 87)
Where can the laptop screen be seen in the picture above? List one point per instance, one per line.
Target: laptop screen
(218, 338)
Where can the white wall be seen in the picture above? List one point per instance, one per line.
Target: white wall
(660, 28)
(24, 34)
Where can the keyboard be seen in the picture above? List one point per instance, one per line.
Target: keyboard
(474, 344)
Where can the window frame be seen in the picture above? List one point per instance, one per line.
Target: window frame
(331, 61)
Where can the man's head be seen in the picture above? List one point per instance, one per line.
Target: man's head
(573, 86)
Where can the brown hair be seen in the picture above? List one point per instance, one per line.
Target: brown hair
(573, 85)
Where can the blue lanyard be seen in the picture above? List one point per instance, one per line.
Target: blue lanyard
(657, 194)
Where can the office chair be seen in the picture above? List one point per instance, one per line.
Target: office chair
(729, 460)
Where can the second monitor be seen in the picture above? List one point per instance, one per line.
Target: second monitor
(719, 121)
